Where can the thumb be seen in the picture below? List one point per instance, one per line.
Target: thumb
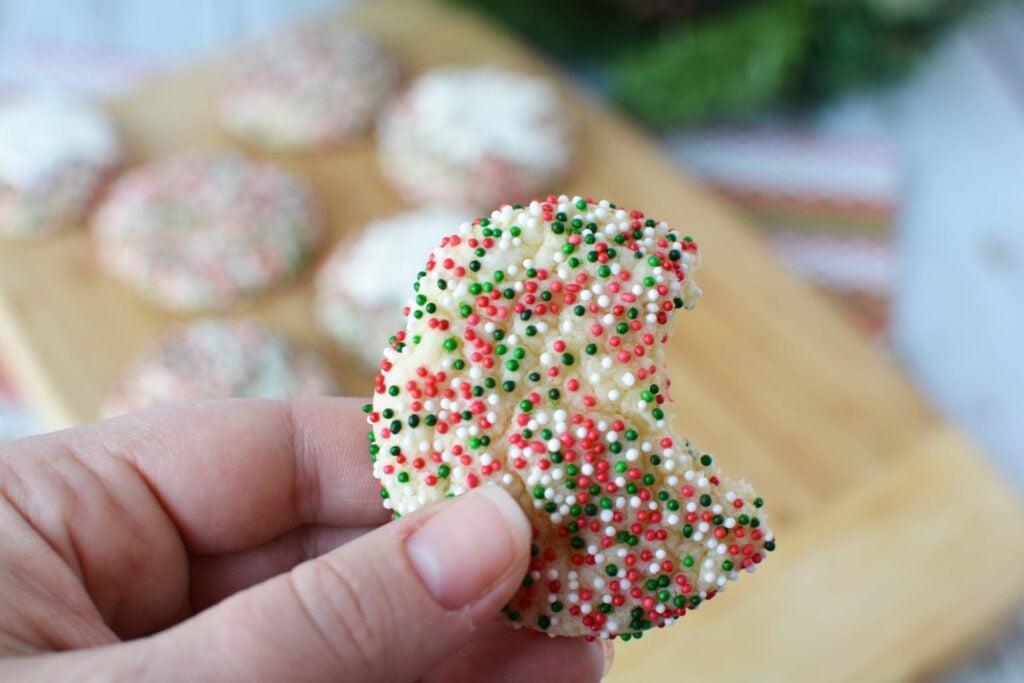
(389, 606)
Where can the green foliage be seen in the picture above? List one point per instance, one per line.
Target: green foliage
(731, 65)
(590, 30)
(861, 43)
(733, 58)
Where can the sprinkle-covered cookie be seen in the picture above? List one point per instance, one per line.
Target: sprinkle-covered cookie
(533, 359)
(312, 87)
(54, 155)
(475, 137)
(202, 230)
(219, 359)
(361, 288)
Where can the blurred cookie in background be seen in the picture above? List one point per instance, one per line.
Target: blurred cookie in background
(211, 358)
(309, 88)
(202, 230)
(55, 153)
(478, 137)
(365, 282)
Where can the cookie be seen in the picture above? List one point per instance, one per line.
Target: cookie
(55, 153)
(364, 283)
(203, 230)
(533, 359)
(475, 137)
(219, 359)
(312, 87)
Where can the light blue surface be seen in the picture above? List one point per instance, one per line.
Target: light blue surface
(960, 307)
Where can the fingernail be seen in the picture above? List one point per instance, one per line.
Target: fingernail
(609, 656)
(464, 549)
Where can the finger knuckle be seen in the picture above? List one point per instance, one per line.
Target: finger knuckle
(336, 604)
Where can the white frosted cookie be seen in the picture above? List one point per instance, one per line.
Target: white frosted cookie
(312, 87)
(475, 137)
(541, 369)
(363, 285)
(219, 359)
(54, 155)
(202, 230)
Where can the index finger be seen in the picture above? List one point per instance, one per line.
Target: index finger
(236, 473)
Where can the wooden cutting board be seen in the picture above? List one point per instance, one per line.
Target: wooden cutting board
(899, 548)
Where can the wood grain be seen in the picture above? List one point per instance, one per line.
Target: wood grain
(897, 544)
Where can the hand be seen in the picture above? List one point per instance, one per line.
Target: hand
(241, 540)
